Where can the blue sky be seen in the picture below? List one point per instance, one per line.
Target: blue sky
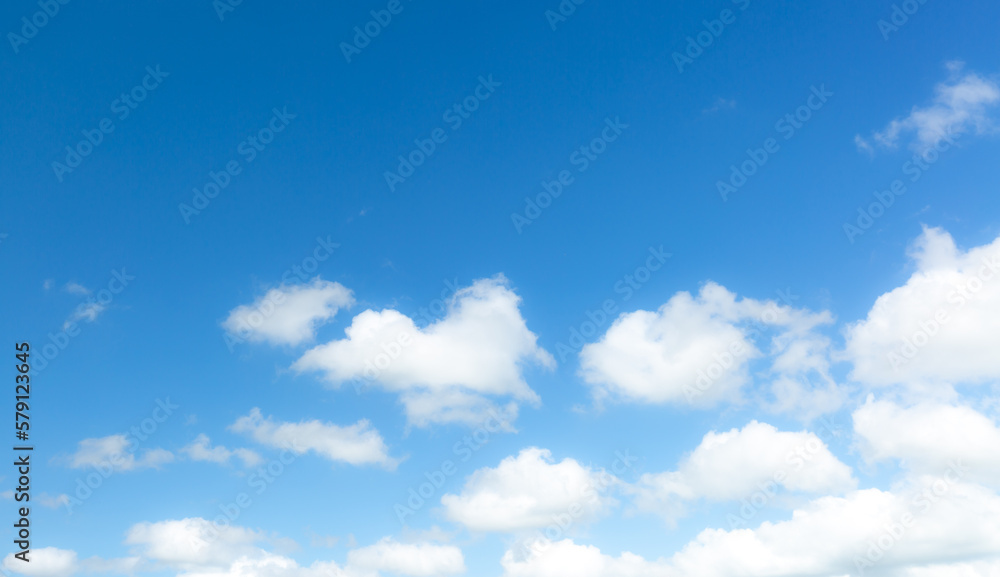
(253, 315)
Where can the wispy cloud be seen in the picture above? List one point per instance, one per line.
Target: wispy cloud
(962, 104)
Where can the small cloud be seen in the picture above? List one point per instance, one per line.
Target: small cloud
(720, 104)
(117, 453)
(961, 105)
(47, 285)
(88, 311)
(51, 502)
(201, 449)
(76, 289)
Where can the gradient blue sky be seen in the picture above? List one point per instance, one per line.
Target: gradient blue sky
(323, 176)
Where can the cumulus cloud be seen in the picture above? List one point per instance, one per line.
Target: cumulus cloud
(930, 437)
(196, 547)
(449, 371)
(357, 444)
(45, 562)
(289, 315)
(117, 453)
(696, 350)
(734, 464)
(941, 327)
(54, 562)
(415, 559)
(905, 532)
(962, 104)
(201, 449)
(193, 543)
(529, 491)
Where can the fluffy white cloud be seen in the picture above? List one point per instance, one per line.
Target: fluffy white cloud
(45, 562)
(961, 105)
(529, 491)
(929, 437)
(289, 315)
(448, 371)
(54, 562)
(201, 449)
(415, 559)
(193, 543)
(115, 452)
(697, 350)
(735, 464)
(357, 444)
(901, 533)
(200, 548)
(941, 327)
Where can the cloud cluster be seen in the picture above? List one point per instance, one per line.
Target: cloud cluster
(697, 350)
(195, 547)
(449, 371)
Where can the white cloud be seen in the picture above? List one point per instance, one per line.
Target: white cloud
(76, 289)
(45, 562)
(193, 543)
(448, 371)
(54, 562)
(88, 311)
(357, 444)
(201, 449)
(200, 548)
(529, 491)
(961, 105)
(114, 452)
(929, 437)
(46, 500)
(942, 327)
(735, 464)
(415, 559)
(289, 315)
(697, 351)
(830, 536)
